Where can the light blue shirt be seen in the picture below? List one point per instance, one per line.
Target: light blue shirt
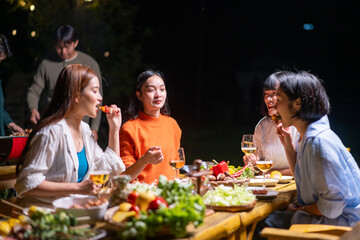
(326, 173)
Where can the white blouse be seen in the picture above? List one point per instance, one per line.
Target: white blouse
(268, 142)
(53, 157)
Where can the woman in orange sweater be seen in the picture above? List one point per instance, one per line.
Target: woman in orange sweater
(151, 138)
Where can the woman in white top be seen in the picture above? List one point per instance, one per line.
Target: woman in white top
(266, 139)
(61, 150)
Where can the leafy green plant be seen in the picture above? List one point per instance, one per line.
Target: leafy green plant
(184, 208)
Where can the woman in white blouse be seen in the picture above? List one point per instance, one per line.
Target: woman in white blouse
(61, 150)
(266, 139)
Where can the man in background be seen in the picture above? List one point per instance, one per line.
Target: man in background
(40, 92)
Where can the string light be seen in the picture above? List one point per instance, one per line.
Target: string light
(32, 7)
(33, 33)
(106, 54)
(14, 32)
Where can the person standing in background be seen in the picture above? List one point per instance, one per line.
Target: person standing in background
(5, 119)
(40, 92)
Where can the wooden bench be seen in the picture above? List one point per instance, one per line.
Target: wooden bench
(313, 231)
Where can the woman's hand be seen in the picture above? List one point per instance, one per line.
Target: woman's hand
(114, 119)
(153, 156)
(251, 158)
(87, 187)
(284, 135)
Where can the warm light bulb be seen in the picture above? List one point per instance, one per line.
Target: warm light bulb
(14, 32)
(22, 3)
(33, 33)
(106, 54)
(32, 7)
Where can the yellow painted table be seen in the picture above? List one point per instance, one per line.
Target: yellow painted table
(241, 225)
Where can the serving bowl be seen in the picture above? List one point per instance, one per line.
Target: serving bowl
(94, 213)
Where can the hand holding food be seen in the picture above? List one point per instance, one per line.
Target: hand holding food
(113, 115)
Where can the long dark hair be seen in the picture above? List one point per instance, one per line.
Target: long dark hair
(135, 104)
(70, 83)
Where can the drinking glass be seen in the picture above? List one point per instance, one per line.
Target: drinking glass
(248, 145)
(99, 177)
(265, 164)
(178, 161)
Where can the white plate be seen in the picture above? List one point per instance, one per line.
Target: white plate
(259, 182)
(285, 179)
(270, 194)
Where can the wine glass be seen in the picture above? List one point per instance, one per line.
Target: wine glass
(265, 164)
(178, 161)
(248, 145)
(99, 177)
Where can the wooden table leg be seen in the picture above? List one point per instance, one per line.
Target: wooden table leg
(243, 234)
(252, 231)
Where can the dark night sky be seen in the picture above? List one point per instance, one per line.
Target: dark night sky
(215, 55)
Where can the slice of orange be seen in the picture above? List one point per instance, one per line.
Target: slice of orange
(276, 175)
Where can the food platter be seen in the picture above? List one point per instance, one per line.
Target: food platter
(229, 182)
(271, 182)
(269, 195)
(238, 208)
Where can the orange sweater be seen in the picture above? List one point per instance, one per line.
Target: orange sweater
(139, 134)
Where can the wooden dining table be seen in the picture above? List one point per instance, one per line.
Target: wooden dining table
(241, 225)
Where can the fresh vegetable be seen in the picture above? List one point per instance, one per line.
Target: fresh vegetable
(184, 207)
(135, 208)
(144, 199)
(44, 225)
(133, 197)
(124, 207)
(121, 216)
(220, 167)
(228, 196)
(238, 173)
(156, 203)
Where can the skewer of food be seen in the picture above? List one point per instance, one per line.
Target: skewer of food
(107, 109)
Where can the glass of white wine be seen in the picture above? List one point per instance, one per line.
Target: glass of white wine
(248, 145)
(99, 177)
(178, 161)
(265, 164)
